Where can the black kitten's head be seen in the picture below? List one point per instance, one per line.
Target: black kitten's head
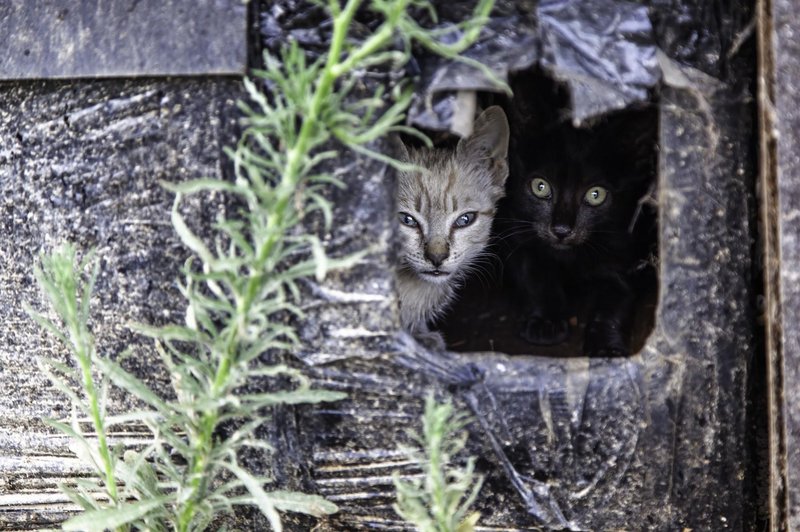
(570, 186)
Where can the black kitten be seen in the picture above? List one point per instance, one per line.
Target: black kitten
(566, 226)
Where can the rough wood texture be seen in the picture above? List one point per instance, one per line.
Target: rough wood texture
(82, 162)
(654, 441)
(783, 73)
(97, 38)
(657, 441)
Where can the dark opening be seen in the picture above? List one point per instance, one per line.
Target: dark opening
(491, 312)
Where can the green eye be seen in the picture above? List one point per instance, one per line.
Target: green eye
(541, 188)
(595, 196)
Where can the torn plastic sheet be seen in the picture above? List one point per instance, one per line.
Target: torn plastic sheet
(505, 45)
(603, 50)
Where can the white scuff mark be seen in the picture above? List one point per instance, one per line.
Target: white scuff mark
(356, 332)
(792, 276)
(688, 261)
(576, 384)
(546, 411)
(340, 296)
(127, 124)
(113, 105)
(321, 357)
(341, 457)
(791, 215)
(377, 480)
(358, 496)
(26, 500)
(132, 221)
(356, 467)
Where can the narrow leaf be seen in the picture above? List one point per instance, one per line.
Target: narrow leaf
(260, 498)
(132, 384)
(187, 236)
(293, 501)
(111, 518)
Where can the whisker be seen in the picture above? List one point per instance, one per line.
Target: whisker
(505, 236)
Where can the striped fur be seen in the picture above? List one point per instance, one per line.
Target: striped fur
(437, 249)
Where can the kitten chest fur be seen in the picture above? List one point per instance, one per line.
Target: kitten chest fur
(420, 301)
(445, 209)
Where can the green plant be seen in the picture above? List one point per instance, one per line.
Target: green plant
(439, 500)
(240, 285)
(147, 488)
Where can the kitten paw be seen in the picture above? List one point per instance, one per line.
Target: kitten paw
(604, 340)
(543, 331)
(432, 340)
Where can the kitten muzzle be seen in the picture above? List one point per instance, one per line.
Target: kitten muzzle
(435, 276)
(564, 237)
(561, 231)
(437, 251)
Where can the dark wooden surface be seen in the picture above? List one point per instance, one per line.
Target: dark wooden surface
(656, 441)
(660, 441)
(82, 162)
(121, 38)
(781, 68)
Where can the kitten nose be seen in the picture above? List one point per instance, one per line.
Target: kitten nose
(562, 231)
(436, 251)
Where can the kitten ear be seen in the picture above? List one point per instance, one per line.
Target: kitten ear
(488, 143)
(398, 149)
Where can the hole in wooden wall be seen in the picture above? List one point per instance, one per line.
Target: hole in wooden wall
(495, 310)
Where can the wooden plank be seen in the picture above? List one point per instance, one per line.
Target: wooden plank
(656, 441)
(97, 38)
(781, 179)
(82, 162)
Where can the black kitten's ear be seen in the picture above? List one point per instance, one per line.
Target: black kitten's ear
(488, 143)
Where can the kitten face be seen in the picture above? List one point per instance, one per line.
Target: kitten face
(445, 217)
(445, 212)
(568, 189)
(565, 206)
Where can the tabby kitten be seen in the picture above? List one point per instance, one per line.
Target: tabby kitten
(445, 215)
(565, 227)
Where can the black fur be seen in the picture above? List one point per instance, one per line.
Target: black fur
(560, 252)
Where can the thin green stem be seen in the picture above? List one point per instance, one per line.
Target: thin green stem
(290, 178)
(83, 352)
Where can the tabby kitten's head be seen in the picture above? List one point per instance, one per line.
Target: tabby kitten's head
(446, 211)
(570, 187)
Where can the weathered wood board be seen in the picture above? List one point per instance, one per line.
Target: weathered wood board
(780, 76)
(656, 441)
(82, 162)
(121, 38)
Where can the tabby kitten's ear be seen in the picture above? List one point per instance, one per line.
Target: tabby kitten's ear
(398, 149)
(488, 144)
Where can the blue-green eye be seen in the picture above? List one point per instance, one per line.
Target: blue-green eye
(407, 219)
(541, 188)
(595, 196)
(465, 219)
